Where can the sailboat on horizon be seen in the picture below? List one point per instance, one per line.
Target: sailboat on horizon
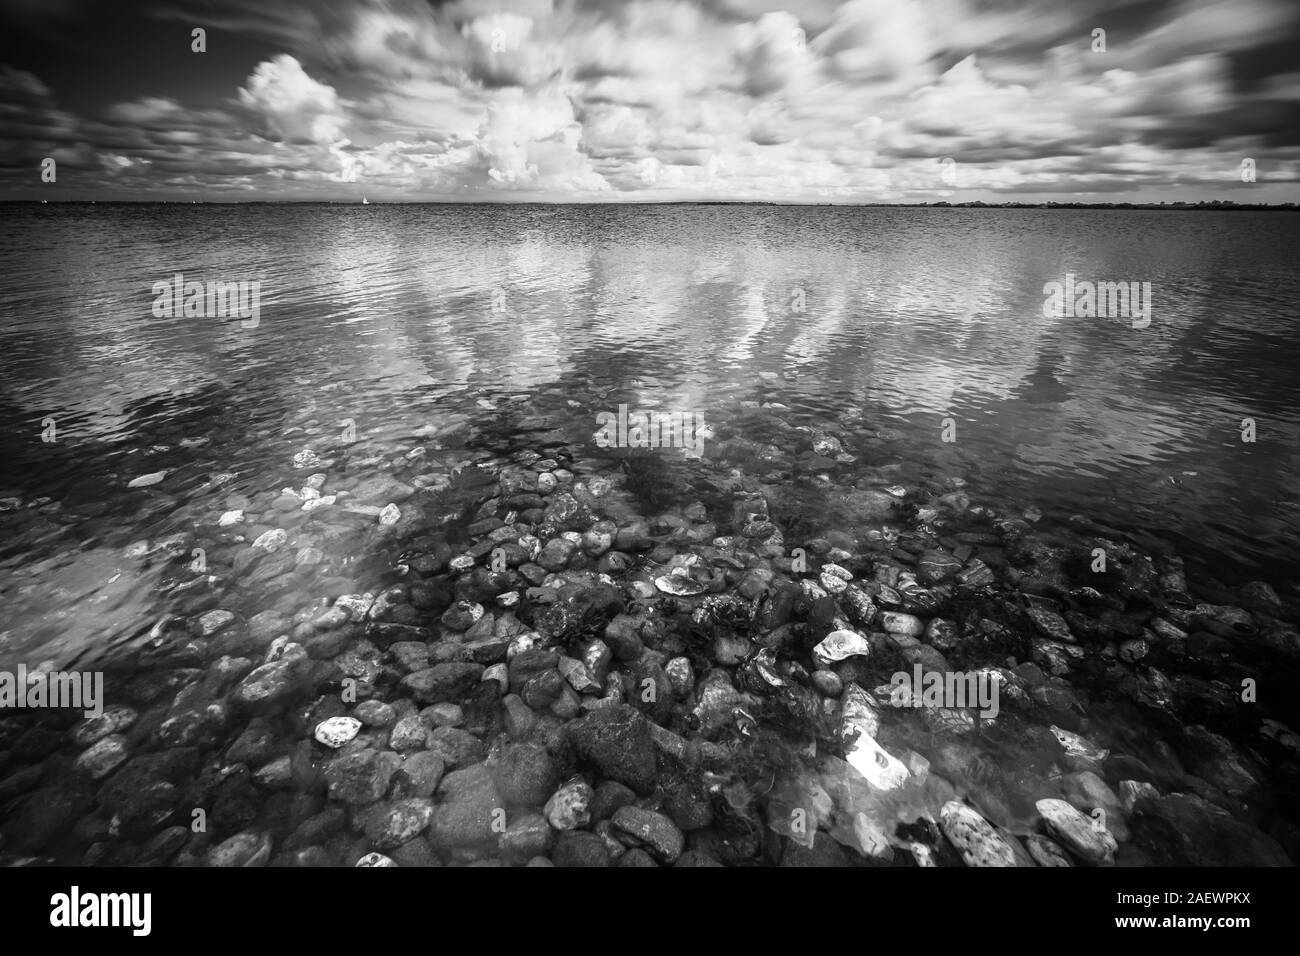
(364, 200)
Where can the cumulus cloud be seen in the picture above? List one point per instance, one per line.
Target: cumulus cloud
(534, 141)
(796, 100)
(296, 108)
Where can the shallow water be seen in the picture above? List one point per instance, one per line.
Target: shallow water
(410, 341)
(385, 315)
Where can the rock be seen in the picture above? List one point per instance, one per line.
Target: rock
(871, 840)
(610, 795)
(357, 605)
(839, 645)
(569, 808)
(681, 675)
(1169, 634)
(1185, 830)
(212, 622)
(418, 775)
(729, 650)
(114, 720)
(543, 689)
(679, 584)
(469, 807)
(103, 757)
(859, 724)
(555, 556)
(580, 848)
(1080, 753)
(1056, 657)
(269, 686)
(375, 859)
(1213, 757)
(858, 604)
(499, 673)
(1133, 650)
(578, 675)
(1045, 852)
(44, 815)
(1091, 843)
(161, 848)
(409, 733)
(658, 833)
(270, 541)
(1133, 791)
(935, 566)
(1086, 789)
(526, 774)
(941, 634)
(361, 776)
(637, 857)
(976, 574)
(445, 715)
(527, 837)
(396, 823)
(896, 622)
(457, 747)
(1050, 624)
(450, 681)
(331, 618)
(306, 459)
(597, 656)
(462, 615)
(337, 731)
(974, 837)
(255, 745)
(276, 774)
(824, 852)
(827, 682)
(832, 582)
(596, 543)
(147, 481)
(1260, 596)
(718, 703)
(196, 726)
(623, 638)
(374, 713)
(247, 849)
(390, 514)
(616, 740)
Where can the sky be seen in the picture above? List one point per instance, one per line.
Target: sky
(803, 101)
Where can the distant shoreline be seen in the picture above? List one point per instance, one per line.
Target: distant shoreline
(1213, 206)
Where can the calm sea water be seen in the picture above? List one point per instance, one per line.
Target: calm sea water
(511, 324)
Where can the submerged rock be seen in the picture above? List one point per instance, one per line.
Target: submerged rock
(974, 837)
(337, 731)
(470, 805)
(570, 806)
(1086, 838)
(839, 645)
(1045, 852)
(617, 741)
(860, 723)
(653, 830)
(681, 585)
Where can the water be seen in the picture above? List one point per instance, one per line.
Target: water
(384, 315)
(472, 332)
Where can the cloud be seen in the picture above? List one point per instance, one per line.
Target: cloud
(534, 141)
(297, 108)
(799, 100)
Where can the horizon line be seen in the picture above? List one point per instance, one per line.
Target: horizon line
(943, 204)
